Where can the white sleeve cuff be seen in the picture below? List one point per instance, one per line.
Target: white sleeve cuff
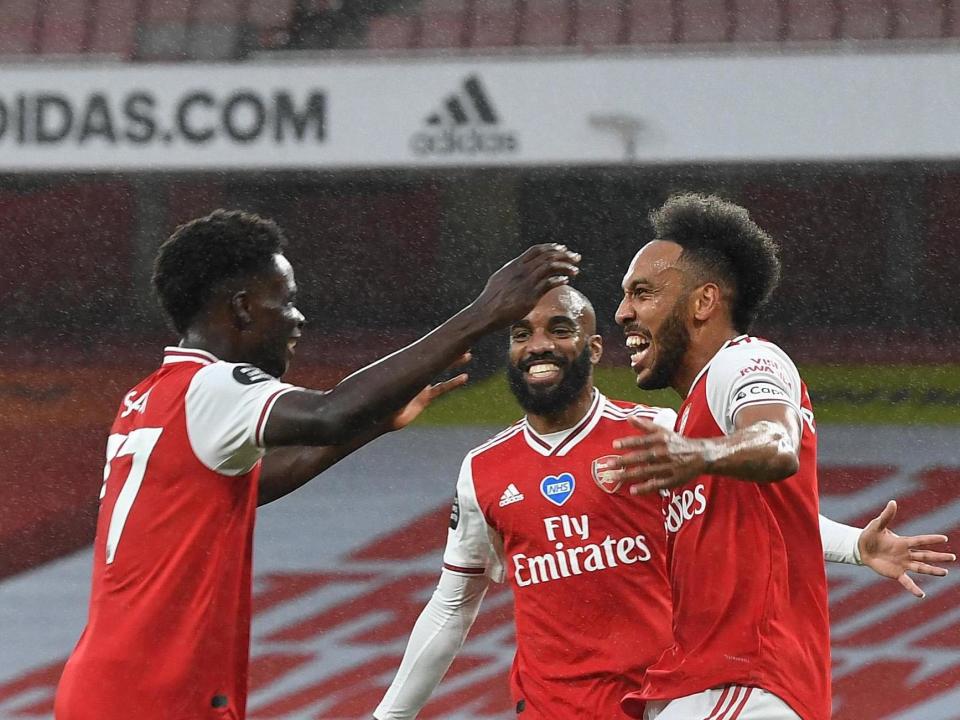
(841, 543)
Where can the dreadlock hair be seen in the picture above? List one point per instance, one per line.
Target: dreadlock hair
(722, 244)
(200, 255)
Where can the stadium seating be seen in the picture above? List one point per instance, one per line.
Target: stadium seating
(441, 23)
(494, 23)
(215, 30)
(599, 23)
(920, 18)
(268, 22)
(114, 29)
(167, 30)
(18, 29)
(391, 32)
(164, 29)
(63, 28)
(866, 20)
(758, 21)
(545, 23)
(704, 21)
(651, 21)
(812, 20)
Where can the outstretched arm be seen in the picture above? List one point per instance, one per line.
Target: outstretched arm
(286, 469)
(369, 396)
(436, 639)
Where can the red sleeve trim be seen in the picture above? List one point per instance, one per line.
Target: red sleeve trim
(267, 407)
(464, 570)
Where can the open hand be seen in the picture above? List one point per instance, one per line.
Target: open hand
(892, 556)
(513, 290)
(658, 458)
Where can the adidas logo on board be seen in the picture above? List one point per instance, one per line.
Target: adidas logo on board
(467, 123)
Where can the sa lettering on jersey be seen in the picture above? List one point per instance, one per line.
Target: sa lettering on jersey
(132, 405)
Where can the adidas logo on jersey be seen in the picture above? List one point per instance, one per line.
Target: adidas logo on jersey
(510, 495)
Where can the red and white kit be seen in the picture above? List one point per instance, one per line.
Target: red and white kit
(583, 557)
(167, 636)
(745, 560)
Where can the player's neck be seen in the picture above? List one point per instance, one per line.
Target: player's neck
(565, 419)
(218, 347)
(703, 347)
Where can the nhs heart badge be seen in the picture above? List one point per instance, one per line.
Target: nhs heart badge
(558, 488)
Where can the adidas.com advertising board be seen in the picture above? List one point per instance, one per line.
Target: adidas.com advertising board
(574, 110)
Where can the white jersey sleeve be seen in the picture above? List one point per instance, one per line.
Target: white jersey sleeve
(227, 406)
(841, 543)
(750, 373)
(436, 639)
(473, 547)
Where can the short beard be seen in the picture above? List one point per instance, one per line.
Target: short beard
(672, 344)
(550, 401)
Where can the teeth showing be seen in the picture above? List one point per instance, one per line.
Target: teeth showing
(291, 344)
(542, 369)
(636, 342)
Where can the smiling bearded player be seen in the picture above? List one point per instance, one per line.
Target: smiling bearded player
(750, 625)
(534, 505)
(585, 560)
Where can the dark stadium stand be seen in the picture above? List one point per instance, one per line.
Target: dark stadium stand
(114, 29)
(169, 30)
(494, 23)
(598, 24)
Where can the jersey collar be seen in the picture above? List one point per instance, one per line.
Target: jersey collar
(703, 371)
(176, 354)
(573, 437)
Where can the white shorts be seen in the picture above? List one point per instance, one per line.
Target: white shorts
(731, 702)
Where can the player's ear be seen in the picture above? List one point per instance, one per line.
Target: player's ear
(240, 309)
(706, 301)
(596, 348)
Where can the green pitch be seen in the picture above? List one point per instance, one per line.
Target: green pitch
(876, 394)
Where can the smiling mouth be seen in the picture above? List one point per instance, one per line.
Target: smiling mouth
(542, 371)
(637, 345)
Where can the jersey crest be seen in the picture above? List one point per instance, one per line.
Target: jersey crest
(604, 475)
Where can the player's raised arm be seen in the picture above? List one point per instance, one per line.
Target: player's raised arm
(372, 394)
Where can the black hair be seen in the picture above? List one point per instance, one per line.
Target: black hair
(203, 253)
(723, 244)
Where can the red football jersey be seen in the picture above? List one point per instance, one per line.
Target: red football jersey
(584, 558)
(167, 635)
(745, 559)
